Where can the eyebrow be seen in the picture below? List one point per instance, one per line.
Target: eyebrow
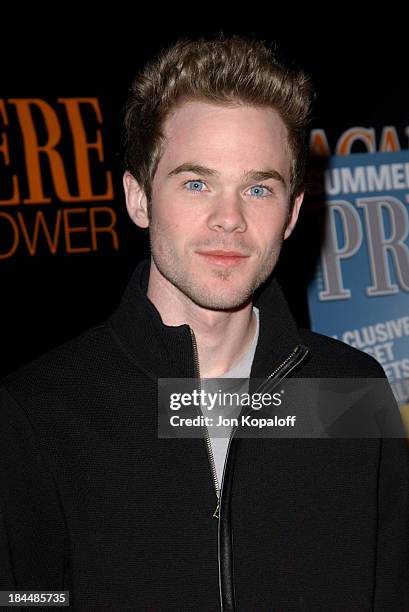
(252, 175)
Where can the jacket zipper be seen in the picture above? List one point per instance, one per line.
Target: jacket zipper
(205, 430)
(295, 358)
(292, 361)
(288, 365)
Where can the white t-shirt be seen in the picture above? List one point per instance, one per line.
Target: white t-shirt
(219, 437)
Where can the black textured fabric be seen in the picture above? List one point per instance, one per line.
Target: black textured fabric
(93, 502)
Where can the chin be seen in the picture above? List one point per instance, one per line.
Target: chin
(214, 289)
(219, 300)
(221, 305)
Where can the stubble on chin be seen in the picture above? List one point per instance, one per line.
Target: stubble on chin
(212, 288)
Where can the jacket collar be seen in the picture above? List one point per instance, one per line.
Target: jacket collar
(166, 352)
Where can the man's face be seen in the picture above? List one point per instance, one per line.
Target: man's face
(220, 202)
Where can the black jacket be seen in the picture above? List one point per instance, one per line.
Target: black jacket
(93, 502)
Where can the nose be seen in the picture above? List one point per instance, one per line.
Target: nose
(227, 214)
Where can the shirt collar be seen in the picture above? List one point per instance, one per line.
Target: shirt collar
(166, 351)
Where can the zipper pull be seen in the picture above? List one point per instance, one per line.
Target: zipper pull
(216, 512)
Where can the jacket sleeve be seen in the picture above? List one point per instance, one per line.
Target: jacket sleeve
(32, 527)
(7, 581)
(392, 567)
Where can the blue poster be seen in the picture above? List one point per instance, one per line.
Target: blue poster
(360, 289)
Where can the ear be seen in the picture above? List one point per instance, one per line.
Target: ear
(136, 201)
(292, 220)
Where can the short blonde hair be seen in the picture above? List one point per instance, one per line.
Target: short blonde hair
(222, 70)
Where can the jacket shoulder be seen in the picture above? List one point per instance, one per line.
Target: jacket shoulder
(331, 357)
(72, 360)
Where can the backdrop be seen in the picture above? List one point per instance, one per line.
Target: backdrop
(67, 247)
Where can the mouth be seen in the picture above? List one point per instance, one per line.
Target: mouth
(223, 258)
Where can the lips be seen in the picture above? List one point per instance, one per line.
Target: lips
(223, 258)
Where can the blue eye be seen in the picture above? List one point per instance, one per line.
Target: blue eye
(194, 186)
(261, 191)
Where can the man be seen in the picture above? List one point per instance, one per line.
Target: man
(93, 501)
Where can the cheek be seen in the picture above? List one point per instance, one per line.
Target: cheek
(165, 231)
(168, 213)
(270, 231)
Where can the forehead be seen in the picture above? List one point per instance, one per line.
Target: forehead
(233, 138)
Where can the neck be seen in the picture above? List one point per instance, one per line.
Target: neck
(222, 336)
